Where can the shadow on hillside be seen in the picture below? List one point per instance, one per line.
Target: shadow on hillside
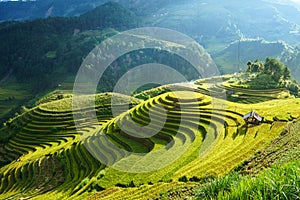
(242, 130)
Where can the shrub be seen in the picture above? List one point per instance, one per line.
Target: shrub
(183, 179)
(60, 96)
(195, 179)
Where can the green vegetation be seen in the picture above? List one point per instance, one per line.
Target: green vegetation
(174, 141)
(281, 182)
(50, 50)
(42, 155)
(262, 81)
(270, 74)
(238, 88)
(276, 183)
(41, 151)
(282, 150)
(291, 57)
(251, 49)
(43, 52)
(12, 96)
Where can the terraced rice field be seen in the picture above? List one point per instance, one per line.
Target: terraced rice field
(43, 152)
(174, 136)
(242, 95)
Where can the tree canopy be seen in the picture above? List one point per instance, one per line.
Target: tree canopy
(271, 74)
(272, 67)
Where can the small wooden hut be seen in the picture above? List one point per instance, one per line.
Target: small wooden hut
(253, 118)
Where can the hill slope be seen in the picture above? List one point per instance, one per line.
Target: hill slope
(42, 155)
(28, 10)
(43, 46)
(44, 51)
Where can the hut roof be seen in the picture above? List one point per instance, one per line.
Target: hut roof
(253, 114)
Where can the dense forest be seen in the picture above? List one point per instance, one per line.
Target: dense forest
(28, 10)
(44, 50)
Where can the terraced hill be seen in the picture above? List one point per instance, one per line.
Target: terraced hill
(41, 150)
(234, 143)
(154, 146)
(239, 94)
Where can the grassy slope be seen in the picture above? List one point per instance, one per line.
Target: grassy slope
(275, 183)
(283, 149)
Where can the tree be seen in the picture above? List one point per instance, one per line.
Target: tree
(274, 68)
(271, 74)
(254, 67)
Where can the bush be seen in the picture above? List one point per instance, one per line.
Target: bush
(60, 96)
(183, 179)
(195, 179)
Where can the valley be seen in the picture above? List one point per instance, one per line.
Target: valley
(149, 99)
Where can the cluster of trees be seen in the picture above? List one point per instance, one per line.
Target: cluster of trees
(272, 67)
(271, 74)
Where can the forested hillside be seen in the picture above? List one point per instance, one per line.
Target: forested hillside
(28, 10)
(44, 51)
(273, 23)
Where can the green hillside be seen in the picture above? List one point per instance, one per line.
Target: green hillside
(43, 155)
(235, 57)
(226, 126)
(29, 10)
(292, 58)
(43, 52)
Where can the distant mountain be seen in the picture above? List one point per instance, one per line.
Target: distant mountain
(211, 22)
(43, 51)
(235, 57)
(217, 25)
(28, 10)
(291, 57)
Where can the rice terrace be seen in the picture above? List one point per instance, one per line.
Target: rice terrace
(42, 154)
(220, 118)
